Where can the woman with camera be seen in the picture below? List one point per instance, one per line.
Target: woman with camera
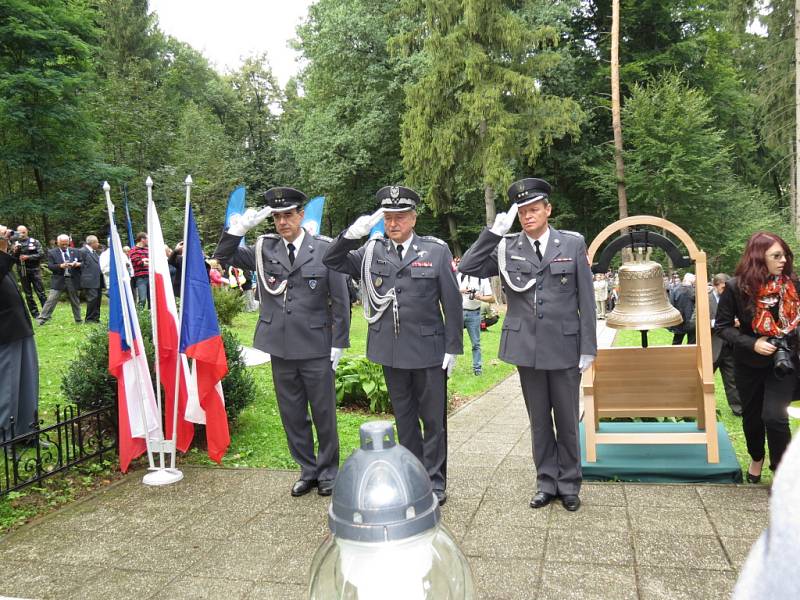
(758, 314)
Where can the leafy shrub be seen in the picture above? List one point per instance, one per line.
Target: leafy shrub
(228, 303)
(239, 385)
(88, 383)
(360, 382)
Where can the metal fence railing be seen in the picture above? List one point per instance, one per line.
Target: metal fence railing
(42, 451)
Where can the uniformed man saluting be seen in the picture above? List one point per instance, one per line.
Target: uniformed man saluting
(407, 282)
(548, 332)
(304, 324)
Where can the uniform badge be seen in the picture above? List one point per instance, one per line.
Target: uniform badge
(563, 280)
(271, 281)
(378, 281)
(394, 192)
(312, 283)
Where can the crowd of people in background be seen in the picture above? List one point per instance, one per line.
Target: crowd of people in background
(82, 274)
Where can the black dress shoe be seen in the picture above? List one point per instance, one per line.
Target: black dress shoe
(325, 488)
(541, 499)
(441, 496)
(571, 502)
(303, 486)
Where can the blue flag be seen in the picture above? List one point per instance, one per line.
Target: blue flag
(131, 242)
(312, 221)
(377, 230)
(236, 204)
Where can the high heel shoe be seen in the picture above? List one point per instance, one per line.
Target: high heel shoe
(754, 478)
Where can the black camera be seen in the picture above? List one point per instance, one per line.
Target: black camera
(471, 294)
(782, 359)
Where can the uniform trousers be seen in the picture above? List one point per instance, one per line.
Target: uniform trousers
(765, 399)
(421, 394)
(31, 280)
(92, 304)
(551, 397)
(52, 300)
(298, 384)
(19, 386)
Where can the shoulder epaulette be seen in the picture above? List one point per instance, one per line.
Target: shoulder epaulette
(271, 236)
(324, 238)
(430, 238)
(572, 233)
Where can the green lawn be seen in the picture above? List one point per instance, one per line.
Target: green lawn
(733, 424)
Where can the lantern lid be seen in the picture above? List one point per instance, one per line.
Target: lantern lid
(382, 492)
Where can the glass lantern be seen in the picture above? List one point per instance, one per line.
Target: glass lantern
(387, 540)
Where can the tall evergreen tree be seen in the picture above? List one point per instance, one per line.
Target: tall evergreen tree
(476, 115)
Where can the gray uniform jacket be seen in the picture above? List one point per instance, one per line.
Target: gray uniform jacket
(550, 325)
(91, 276)
(312, 315)
(425, 284)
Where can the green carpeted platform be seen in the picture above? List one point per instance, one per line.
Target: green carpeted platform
(660, 463)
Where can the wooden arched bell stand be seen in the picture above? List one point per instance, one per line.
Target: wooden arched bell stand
(660, 381)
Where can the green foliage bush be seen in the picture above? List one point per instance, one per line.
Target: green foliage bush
(239, 386)
(228, 303)
(88, 383)
(360, 383)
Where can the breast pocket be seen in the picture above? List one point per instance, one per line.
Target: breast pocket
(424, 281)
(315, 277)
(565, 274)
(381, 276)
(519, 271)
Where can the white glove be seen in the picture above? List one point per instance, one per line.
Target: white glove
(585, 361)
(336, 355)
(241, 224)
(363, 225)
(449, 363)
(504, 221)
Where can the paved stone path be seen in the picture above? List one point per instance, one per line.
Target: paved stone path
(236, 533)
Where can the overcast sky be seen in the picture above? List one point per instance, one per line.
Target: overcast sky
(226, 31)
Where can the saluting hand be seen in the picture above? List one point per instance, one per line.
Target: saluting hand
(363, 224)
(241, 224)
(504, 221)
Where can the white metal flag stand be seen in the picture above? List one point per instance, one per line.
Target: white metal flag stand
(162, 475)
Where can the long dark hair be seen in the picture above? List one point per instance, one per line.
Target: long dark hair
(752, 272)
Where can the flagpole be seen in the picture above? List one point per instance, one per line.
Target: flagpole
(154, 316)
(126, 324)
(188, 184)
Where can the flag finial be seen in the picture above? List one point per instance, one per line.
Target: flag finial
(106, 187)
(149, 181)
(188, 180)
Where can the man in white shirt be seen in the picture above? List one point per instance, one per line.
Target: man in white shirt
(474, 290)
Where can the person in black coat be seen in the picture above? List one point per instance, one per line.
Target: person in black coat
(19, 364)
(763, 297)
(91, 278)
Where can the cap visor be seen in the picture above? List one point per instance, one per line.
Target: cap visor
(285, 209)
(531, 200)
(403, 209)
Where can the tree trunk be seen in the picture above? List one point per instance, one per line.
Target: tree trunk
(615, 111)
(491, 207)
(452, 226)
(796, 162)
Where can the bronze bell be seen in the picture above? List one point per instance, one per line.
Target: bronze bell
(643, 302)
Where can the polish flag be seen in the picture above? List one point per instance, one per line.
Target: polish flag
(138, 413)
(165, 332)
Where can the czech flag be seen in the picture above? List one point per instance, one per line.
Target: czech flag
(138, 413)
(165, 332)
(202, 342)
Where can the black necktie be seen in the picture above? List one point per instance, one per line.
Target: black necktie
(400, 251)
(538, 250)
(290, 248)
